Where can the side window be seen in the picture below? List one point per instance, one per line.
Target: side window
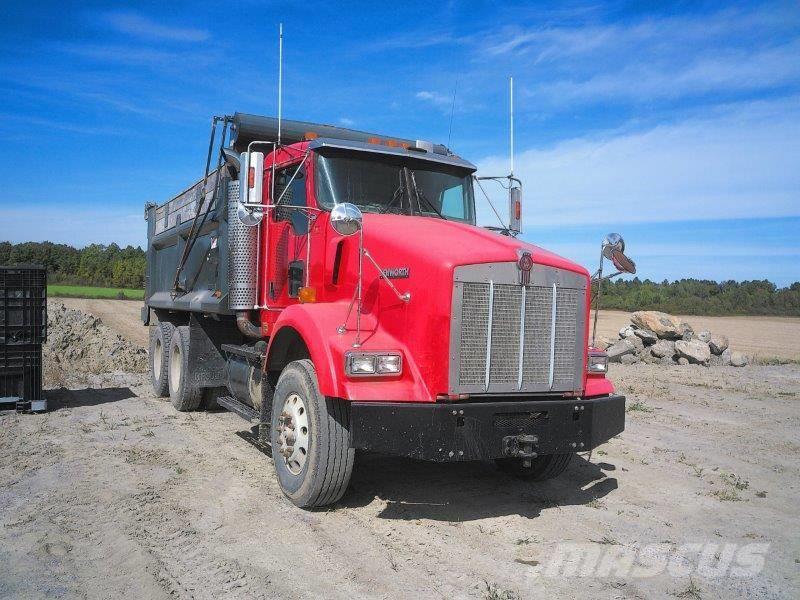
(453, 202)
(290, 190)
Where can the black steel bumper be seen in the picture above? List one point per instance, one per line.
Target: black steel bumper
(485, 430)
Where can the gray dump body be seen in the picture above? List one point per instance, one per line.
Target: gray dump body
(205, 274)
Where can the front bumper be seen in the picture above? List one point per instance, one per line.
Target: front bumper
(485, 430)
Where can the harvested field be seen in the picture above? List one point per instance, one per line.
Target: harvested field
(113, 493)
(760, 337)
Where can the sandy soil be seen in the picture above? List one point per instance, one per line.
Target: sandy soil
(122, 315)
(113, 493)
(762, 337)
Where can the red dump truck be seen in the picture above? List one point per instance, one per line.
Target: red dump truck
(332, 287)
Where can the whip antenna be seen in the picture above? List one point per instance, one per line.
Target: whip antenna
(511, 95)
(280, 77)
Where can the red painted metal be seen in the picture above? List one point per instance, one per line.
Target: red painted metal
(430, 248)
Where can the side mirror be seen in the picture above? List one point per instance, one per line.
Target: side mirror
(614, 250)
(346, 218)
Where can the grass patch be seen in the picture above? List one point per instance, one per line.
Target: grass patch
(82, 291)
(772, 361)
(639, 406)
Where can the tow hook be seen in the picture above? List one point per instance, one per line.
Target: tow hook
(521, 446)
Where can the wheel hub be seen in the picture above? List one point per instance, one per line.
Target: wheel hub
(293, 435)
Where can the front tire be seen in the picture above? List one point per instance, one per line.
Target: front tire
(185, 396)
(160, 339)
(310, 436)
(542, 467)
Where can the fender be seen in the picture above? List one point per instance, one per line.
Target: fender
(317, 325)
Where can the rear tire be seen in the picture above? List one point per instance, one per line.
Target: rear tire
(310, 436)
(185, 396)
(542, 467)
(160, 339)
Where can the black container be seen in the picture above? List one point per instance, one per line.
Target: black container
(23, 305)
(23, 330)
(21, 376)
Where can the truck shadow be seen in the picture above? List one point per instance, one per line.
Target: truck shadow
(58, 398)
(468, 491)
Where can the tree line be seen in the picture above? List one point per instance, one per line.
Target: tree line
(702, 297)
(112, 266)
(96, 264)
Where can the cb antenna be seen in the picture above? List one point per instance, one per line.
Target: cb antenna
(280, 78)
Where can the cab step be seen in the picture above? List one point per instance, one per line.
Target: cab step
(248, 413)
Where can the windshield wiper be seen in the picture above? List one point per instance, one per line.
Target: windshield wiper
(421, 195)
(398, 194)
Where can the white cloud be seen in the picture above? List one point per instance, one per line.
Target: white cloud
(437, 99)
(738, 163)
(346, 122)
(734, 70)
(133, 24)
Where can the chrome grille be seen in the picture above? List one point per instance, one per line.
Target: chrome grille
(495, 319)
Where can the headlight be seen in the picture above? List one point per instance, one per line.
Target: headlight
(598, 363)
(373, 363)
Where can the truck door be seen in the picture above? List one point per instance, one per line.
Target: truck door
(288, 231)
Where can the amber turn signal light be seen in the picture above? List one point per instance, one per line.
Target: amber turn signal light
(307, 294)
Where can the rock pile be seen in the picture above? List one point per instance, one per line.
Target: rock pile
(80, 344)
(656, 337)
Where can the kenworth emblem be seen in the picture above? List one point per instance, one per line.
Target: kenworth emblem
(396, 273)
(524, 265)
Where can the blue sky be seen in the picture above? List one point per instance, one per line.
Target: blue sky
(677, 124)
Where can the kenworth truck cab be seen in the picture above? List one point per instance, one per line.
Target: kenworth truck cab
(333, 287)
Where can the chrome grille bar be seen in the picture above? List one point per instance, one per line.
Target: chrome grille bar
(489, 335)
(508, 338)
(553, 337)
(521, 337)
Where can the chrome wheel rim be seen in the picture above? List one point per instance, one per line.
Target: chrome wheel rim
(293, 434)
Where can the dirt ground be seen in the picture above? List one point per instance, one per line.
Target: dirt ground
(115, 494)
(124, 316)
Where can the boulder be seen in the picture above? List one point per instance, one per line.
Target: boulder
(738, 359)
(694, 351)
(636, 342)
(666, 361)
(718, 343)
(663, 348)
(704, 336)
(726, 357)
(626, 332)
(618, 350)
(629, 359)
(649, 358)
(683, 361)
(647, 336)
(663, 325)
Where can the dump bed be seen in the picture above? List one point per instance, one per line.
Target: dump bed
(203, 281)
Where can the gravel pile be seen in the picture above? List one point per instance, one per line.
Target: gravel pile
(658, 338)
(80, 344)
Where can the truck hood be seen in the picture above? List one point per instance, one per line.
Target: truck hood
(397, 240)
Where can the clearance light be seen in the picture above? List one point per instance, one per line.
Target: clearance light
(251, 178)
(307, 294)
(311, 135)
(369, 363)
(598, 363)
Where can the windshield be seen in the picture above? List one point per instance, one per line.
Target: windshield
(381, 183)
